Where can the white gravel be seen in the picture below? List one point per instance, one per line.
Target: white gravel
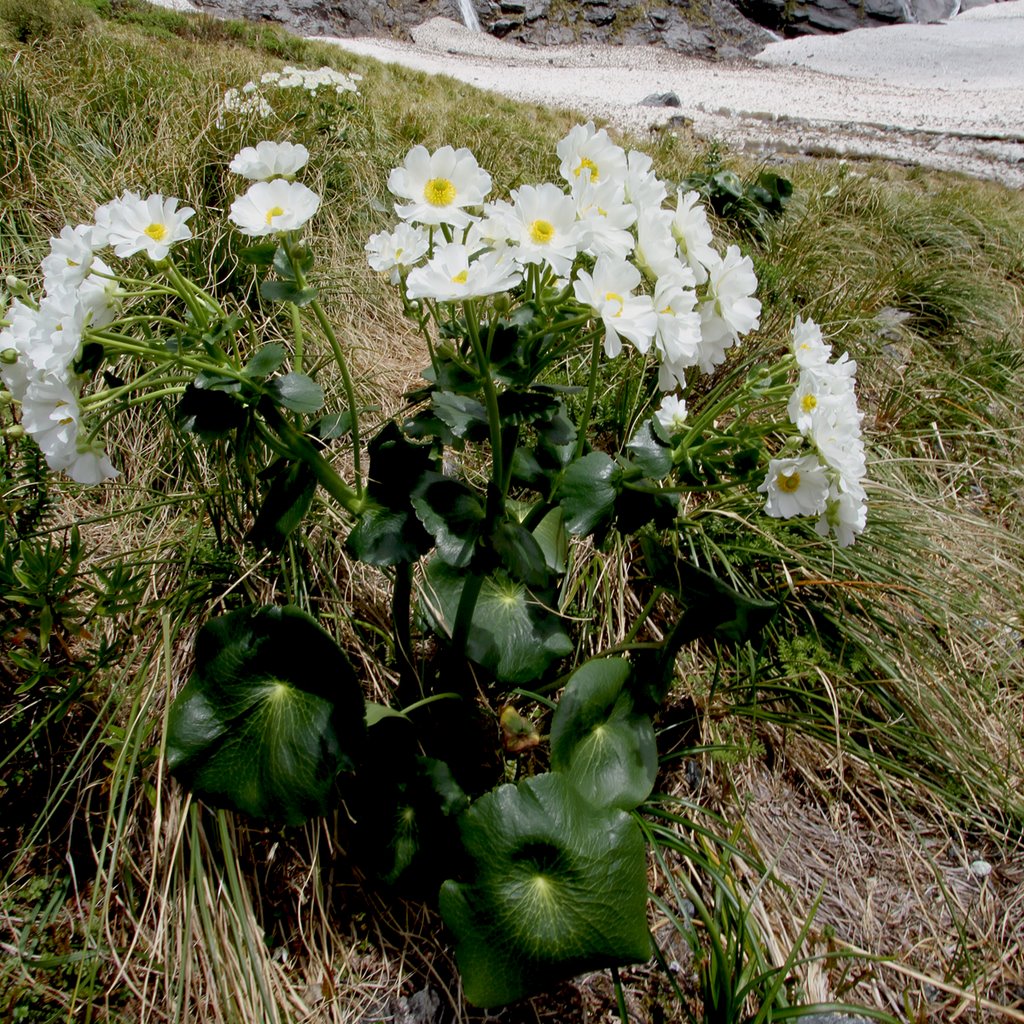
(947, 96)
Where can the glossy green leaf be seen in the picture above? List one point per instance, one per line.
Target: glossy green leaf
(599, 741)
(649, 453)
(587, 492)
(452, 514)
(553, 540)
(465, 416)
(284, 505)
(209, 414)
(297, 392)
(512, 634)
(265, 361)
(257, 728)
(386, 536)
(287, 291)
(520, 554)
(259, 255)
(557, 887)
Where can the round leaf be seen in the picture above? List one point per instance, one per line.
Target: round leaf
(599, 741)
(558, 887)
(258, 729)
(512, 634)
(587, 492)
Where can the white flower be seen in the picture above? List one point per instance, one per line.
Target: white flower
(239, 103)
(827, 381)
(70, 257)
(795, 487)
(268, 160)
(100, 295)
(810, 350)
(439, 186)
(730, 309)
(677, 337)
(542, 223)
(273, 207)
(450, 275)
(655, 252)
(671, 414)
(16, 341)
(50, 415)
(642, 186)
(609, 292)
(586, 150)
(845, 515)
(605, 217)
(693, 234)
(397, 250)
(152, 225)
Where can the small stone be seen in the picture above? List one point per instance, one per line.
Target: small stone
(661, 99)
(981, 868)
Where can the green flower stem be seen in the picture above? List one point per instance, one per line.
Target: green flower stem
(163, 387)
(129, 346)
(340, 360)
(490, 397)
(299, 446)
(620, 997)
(299, 337)
(595, 357)
(350, 391)
(464, 613)
(188, 296)
(409, 683)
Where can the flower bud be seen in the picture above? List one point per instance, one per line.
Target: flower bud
(15, 432)
(16, 286)
(9, 356)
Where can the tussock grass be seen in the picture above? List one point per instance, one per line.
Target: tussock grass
(872, 745)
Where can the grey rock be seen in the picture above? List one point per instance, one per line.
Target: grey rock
(661, 99)
(800, 17)
(713, 28)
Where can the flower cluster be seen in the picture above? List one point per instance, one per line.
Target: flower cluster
(648, 273)
(43, 342)
(249, 101)
(829, 482)
(244, 102)
(313, 81)
(275, 203)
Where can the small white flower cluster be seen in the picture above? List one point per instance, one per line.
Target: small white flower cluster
(249, 101)
(42, 342)
(244, 102)
(275, 203)
(654, 278)
(828, 483)
(313, 81)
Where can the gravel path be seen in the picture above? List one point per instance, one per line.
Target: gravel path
(946, 96)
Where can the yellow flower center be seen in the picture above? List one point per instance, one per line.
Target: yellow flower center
(439, 192)
(274, 211)
(789, 482)
(158, 232)
(542, 231)
(615, 297)
(460, 277)
(808, 403)
(586, 164)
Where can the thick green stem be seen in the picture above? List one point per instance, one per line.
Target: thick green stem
(595, 358)
(339, 357)
(490, 397)
(299, 446)
(409, 685)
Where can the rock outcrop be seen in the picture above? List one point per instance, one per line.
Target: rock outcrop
(709, 28)
(705, 27)
(799, 17)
